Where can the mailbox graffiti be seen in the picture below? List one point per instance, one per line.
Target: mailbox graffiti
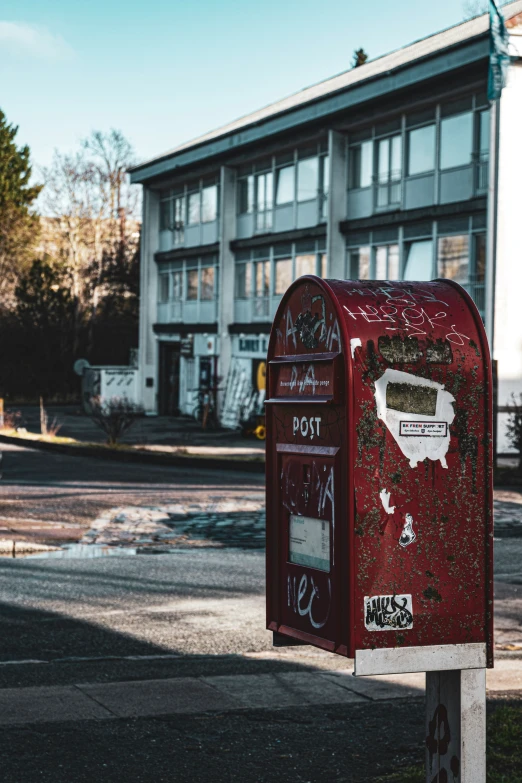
(316, 329)
(301, 602)
(388, 612)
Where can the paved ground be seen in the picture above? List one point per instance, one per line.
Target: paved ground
(157, 667)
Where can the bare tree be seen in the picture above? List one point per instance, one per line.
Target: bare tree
(91, 201)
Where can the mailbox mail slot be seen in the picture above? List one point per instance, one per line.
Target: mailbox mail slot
(379, 483)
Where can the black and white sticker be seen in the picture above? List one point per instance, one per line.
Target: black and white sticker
(388, 612)
(426, 429)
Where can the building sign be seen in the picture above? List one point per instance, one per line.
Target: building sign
(254, 344)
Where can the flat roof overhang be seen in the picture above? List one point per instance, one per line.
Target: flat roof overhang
(409, 75)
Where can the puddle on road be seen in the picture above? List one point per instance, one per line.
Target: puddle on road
(86, 551)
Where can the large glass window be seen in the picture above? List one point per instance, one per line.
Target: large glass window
(307, 179)
(194, 208)
(421, 150)
(387, 262)
(179, 217)
(456, 140)
(207, 283)
(419, 260)
(246, 195)
(361, 165)
(285, 185)
(209, 204)
(283, 274)
(192, 284)
(453, 258)
(322, 265)
(243, 280)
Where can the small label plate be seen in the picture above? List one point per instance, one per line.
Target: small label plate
(424, 429)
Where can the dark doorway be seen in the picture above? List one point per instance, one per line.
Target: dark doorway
(169, 379)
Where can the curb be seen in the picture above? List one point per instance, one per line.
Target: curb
(141, 457)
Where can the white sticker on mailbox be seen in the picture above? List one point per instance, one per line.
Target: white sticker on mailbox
(388, 612)
(424, 429)
(310, 542)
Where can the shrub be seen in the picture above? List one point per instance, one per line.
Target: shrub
(114, 416)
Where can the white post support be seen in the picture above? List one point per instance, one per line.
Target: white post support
(456, 726)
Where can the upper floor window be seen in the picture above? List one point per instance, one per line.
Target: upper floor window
(263, 273)
(453, 257)
(361, 165)
(188, 281)
(359, 263)
(387, 262)
(307, 179)
(245, 189)
(484, 134)
(209, 203)
(194, 208)
(421, 150)
(456, 140)
(285, 185)
(418, 260)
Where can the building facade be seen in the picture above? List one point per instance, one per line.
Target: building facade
(397, 170)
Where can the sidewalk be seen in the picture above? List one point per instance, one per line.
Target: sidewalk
(194, 695)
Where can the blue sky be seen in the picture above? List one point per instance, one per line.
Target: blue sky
(164, 71)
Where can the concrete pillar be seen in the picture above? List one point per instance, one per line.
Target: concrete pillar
(337, 197)
(148, 349)
(227, 232)
(507, 331)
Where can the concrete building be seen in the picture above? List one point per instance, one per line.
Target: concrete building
(396, 170)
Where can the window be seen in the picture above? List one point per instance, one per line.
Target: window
(192, 284)
(246, 195)
(453, 258)
(163, 288)
(419, 260)
(207, 283)
(177, 285)
(484, 134)
(387, 262)
(283, 274)
(165, 214)
(359, 263)
(361, 165)
(305, 265)
(389, 167)
(480, 258)
(285, 187)
(323, 265)
(243, 280)
(194, 208)
(307, 179)
(209, 204)
(325, 185)
(456, 140)
(262, 278)
(421, 150)
(179, 209)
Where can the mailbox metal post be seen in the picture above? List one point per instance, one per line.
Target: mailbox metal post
(379, 488)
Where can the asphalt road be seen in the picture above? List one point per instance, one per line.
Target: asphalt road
(187, 614)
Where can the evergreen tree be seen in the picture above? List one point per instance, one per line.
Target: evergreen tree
(359, 58)
(18, 224)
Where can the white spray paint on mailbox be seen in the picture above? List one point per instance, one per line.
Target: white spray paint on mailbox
(419, 435)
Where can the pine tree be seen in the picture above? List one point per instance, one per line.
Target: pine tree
(359, 58)
(18, 223)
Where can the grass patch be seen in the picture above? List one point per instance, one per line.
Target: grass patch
(504, 750)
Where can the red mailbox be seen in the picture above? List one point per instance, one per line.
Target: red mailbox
(379, 454)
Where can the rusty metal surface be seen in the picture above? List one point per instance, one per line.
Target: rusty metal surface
(379, 438)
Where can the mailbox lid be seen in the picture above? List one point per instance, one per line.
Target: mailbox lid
(422, 464)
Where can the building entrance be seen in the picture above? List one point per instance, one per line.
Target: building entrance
(169, 379)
